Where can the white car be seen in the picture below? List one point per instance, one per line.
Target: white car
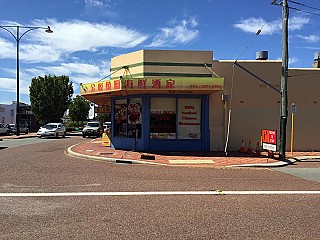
(92, 129)
(52, 129)
(106, 126)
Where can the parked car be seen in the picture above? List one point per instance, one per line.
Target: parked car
(106, 126)
(13, 128)
(52, 129)
(92, 129)
(4, 129)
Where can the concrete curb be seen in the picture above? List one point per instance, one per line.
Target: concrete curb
(276, 164)
(130, 161)
(18, 137)
(113, 160)
(307, 158)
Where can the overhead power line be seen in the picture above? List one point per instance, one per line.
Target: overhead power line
(301, 4)
(300, 10)
(124, 67)
(274, 2)
(257, 34)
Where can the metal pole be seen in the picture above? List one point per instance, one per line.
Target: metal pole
(292, 133)
(284, 79)
(17, 37)
(18, 86)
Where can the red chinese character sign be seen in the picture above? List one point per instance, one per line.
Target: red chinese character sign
(269, 140)
(152, 83)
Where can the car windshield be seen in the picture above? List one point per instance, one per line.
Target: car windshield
(50, 126)
(93, 125)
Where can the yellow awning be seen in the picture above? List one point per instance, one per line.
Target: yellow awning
(100, 92)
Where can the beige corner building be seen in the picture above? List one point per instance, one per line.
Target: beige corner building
(163, 100)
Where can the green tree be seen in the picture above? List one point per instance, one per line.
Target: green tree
(79, 109)
(50, 97)
(103, 117)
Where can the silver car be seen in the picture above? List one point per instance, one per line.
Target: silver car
(13, 128)
(52, 129)
(4, 129)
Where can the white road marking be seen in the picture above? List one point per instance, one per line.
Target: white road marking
(73, 194)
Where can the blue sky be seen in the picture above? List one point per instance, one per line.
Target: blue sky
(88, 33)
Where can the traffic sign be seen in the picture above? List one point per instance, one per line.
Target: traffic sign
(293, 108)
(269, 140)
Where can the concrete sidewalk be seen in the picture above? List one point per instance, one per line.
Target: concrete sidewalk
(22, 135)
(92, 149)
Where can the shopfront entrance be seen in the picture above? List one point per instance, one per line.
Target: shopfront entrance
(161, 123)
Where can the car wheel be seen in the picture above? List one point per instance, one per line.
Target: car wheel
(27, 131)
(56, 135)
(64, 135)
(7, 133)
(83, 135)
(39, 136)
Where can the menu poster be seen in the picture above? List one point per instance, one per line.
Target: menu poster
(189, 118)
(163, 123)
(163, 118)
(120, 118)
(134, 119)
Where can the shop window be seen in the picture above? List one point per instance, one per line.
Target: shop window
(127, 118)
(134, 118)
(120, 118)
(189, 118)
(163, 118)
(175, 118)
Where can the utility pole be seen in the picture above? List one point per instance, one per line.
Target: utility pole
(284, 80)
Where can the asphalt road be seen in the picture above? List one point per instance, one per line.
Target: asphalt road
(173, 202)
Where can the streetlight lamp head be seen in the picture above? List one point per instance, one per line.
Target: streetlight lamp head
(48, 30)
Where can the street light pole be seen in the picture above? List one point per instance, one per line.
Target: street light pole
(17, 37)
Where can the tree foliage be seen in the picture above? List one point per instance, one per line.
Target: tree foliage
(103, 117)
(79, 109)
(50, 97)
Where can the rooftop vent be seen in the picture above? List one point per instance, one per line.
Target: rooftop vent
(316, 63)
(262, 55)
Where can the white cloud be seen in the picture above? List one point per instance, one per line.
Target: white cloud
(252, 25)
(293, 60)
(297, 23)
(8, 84)
(94, 8)
(7, 49)
(310, 38)
(70, 37)
(78, 72)
(94, 3)
(77, 36)
(183, 32)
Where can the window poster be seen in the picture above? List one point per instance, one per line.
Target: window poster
(120, 118)
(134, 118)
(189, 118)
(163, 118)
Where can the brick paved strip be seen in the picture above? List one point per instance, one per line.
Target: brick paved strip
(191, 161)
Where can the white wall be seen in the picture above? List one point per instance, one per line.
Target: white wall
(7, 113)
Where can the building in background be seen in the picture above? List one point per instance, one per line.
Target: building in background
(7, 113)
(27, 118)
(185, 101)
